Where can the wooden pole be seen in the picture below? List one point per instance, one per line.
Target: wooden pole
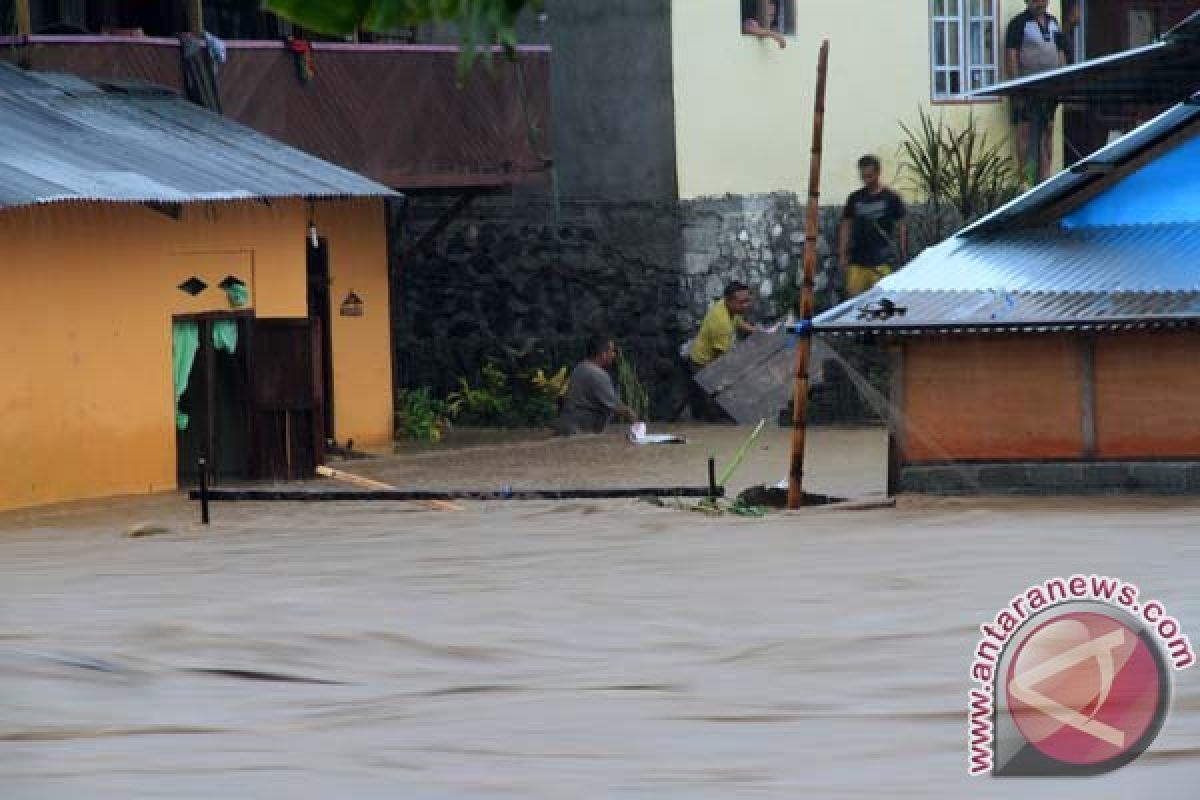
(195, 16)
(23, 19)
(805, 301)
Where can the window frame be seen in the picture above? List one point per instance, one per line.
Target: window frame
(959, 14)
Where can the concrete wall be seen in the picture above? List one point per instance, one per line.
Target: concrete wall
(86, 402)
(356, 231)
(613, 132)
(743, 107)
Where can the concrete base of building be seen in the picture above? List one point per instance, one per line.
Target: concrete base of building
(1057, 478)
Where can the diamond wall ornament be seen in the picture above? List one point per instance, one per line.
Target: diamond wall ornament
(193, 286)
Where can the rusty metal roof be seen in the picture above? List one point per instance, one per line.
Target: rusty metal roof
(400, 114)
(1050, 279)
(65, 139)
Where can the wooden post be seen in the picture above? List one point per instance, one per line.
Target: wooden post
(195, 16)
(23, 19)
(805, 301)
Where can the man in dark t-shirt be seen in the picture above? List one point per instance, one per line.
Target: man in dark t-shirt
(873, 236)
(1034, 43)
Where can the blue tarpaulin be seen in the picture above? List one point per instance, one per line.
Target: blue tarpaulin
(1165, 191)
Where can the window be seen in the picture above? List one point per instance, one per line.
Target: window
(964, 46)
(775, 15)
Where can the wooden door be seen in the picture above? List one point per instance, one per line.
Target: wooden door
(287, 405)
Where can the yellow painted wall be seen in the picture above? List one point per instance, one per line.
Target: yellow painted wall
(743, 107)
(86, 401)
(362, 361)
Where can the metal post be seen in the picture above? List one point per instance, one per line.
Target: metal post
(805, 301)
(712, 479)
(203, 464)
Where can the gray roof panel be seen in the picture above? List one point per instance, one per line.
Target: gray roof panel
(65, 140)
(1045, 280)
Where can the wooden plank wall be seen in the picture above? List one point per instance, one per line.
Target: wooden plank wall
(1125, 395)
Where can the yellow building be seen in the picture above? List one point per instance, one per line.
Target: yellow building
(744, 106)
(150, 249)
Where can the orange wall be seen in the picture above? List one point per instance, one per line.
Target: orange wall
(362, 360)
(1148, 395)
(85, 322)
(992, 398)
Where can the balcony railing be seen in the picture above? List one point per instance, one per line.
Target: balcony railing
(397, 113)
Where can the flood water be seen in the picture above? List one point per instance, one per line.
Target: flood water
(547, 650)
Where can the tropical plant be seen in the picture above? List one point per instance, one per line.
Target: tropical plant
(553, 387)
(980, 176)
(955, 171)
(480, 22)
(488, 404)
(630, 386)
(421, 416)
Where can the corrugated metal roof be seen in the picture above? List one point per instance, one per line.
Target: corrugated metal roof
(1132, 258)
(1103, 166)
(65, 139)
(1040, 280)
(1161, 72)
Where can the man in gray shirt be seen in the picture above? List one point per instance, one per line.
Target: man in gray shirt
(1034, 43)
(591, 397)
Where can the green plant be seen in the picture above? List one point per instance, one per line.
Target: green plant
(504, 401)
(479, 22)
(630, 386)
(490, 404)
(980, 175)
(421, 416)
(553, 387)
(961, 171)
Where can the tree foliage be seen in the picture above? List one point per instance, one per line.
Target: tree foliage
(481, 23)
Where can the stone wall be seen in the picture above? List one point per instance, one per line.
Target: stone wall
(522, 280)
(759, 240)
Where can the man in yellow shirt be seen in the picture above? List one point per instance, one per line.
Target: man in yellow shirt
(723, 322)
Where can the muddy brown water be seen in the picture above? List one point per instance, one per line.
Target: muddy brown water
(547, 650)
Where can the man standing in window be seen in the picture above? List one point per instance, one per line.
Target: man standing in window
(873, 236)
(1034, 44)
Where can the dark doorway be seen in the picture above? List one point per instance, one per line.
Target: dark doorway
(216, 402)
(320, 308)
(287, 416)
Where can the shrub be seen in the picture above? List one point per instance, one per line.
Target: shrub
(421, 416)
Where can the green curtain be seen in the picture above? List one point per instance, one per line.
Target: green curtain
(185, 341)
(237, 293)
(225, 335)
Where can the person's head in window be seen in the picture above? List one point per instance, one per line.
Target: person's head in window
(762, 19)
(870, 169)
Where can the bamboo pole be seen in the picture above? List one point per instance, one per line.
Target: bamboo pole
(805, 301)
(23, 19)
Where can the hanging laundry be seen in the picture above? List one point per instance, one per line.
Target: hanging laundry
(303, 51)
(217, 52)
